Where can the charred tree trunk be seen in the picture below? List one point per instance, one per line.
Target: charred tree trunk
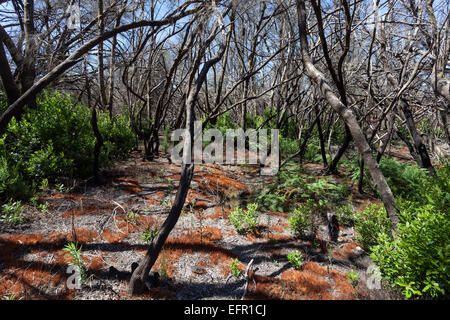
(321, 140)
(332, 168)
(11, 89)
(140, 275)
(98, 145)
(421, 150)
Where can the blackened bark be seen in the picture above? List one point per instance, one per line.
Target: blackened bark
(140, 275)
(11, 89)
(332, 168)
(419, 146)
(98, 144)
(321, 139)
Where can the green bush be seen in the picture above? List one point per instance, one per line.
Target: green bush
(287, 146)
(417, 261)
(292, 186)
(404, 179)
(301, 220)
(56, 140)
(118, 135)
(369, 223)
(223, 122)
(344, 215)
(12, 182)
(244, 220)
(295, 259)
(12, 213)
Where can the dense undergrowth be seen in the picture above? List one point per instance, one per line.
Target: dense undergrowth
(416, 261)
(56, 140)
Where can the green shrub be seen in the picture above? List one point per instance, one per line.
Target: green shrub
(287, 146)
(245, 220)
(295, 259)
(344, 215)
(369, 223)
(353, 278)
(223, 122)
(418, 260)
(149, 235)
(118, 135)
(166, 141)
(292, 186)
(234, 266)
(404, 179)
(72, 250)
(12, 182)
(301, 220)
(56, 140)
(12, 213)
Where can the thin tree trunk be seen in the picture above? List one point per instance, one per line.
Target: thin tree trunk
(425, 161)
(98, 144)
(101, 67)
(11, 89)
(140, 275)
(321, 140)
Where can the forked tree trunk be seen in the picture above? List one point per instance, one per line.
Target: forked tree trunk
(347, 116)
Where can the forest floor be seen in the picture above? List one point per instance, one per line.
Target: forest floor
(195, 261)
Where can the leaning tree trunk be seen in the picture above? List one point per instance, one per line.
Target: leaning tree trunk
(140, 274)
(348, 117)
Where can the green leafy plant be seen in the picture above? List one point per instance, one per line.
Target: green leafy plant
(71, 249)
(344, 215)
(61, 188)
(12, 181)
(353, 278)
(417, 260)
(166, 202)
(44, 185)
(149, 234)
(234, 265)
(245, 220)
(43, 207)
(11, 297)
(301, 220)
(292, 186)
(56, 140)
(12, 213)
(369, 223)
(170, 186)
(133, 217)
(295, 259)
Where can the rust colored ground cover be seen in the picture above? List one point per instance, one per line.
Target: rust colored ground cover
(44, 277)
(313, 282)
